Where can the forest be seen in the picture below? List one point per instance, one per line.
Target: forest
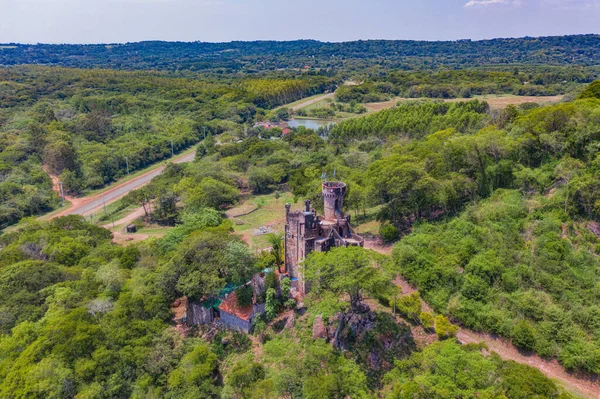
(91, 128)
(272, 55)
(489, 215)
(521, 80)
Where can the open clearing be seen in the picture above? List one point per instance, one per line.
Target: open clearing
(495, 101)
(270, 214)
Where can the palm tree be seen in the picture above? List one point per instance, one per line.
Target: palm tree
(276, 241)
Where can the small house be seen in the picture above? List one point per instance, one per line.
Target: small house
(239, 317)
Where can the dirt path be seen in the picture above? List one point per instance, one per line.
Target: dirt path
(137, 213)
(74, 201)
(587, 387)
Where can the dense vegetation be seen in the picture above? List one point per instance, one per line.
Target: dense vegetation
(91, 127)
(521, 264)
(519, 80)
(495, 212)
(253, 56)
(85, 318)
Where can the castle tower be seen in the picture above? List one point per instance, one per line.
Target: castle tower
(333, 199)
(305, 232)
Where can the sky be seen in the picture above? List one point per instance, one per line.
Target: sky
(119, 21)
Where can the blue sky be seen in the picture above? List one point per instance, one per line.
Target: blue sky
(102, 21)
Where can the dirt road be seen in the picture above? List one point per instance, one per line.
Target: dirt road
(87, 205)
(581, 385)
(587, 387)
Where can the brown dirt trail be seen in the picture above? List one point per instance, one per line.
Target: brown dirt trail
(583, 385)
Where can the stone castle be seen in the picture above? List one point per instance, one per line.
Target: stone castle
(305, 232)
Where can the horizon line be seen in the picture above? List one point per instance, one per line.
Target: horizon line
(294, 40)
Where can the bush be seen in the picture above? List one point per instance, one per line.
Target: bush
(410, 305)
(443, 328)
(427, 320)
(389, 233)
(523, 336)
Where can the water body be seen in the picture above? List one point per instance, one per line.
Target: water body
(309, 123)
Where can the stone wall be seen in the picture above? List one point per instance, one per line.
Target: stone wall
(235, 322)
(197, 314)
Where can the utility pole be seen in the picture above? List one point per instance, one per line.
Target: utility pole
(127, 163)
(62, 192)
(172, 152)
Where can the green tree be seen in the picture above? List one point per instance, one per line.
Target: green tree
(352, 271)
(196, 374)
(166, 208)
(271, 304)
(276, 242)
(59, 156)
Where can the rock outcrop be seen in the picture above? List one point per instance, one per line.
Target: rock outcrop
(319, 329)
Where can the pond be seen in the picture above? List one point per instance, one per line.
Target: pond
(309, 123)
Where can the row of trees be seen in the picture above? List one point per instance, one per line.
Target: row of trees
(518, 80)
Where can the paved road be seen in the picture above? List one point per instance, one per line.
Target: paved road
(121, 190)
(85, 206)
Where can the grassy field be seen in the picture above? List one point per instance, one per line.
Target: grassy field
(270, 214)
(295, 104)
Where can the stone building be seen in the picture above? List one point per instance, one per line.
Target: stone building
(237, 317)
(223, 308)
(306, 232)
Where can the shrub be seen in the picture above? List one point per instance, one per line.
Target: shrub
(427, 320)
(523, 336)
(410, 305)
(443, 328)
(389, 233)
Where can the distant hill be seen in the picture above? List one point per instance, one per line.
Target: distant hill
(269, 55)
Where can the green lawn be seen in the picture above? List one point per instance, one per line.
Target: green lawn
(271, 213)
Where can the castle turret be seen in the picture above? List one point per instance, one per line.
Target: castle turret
(305, 232)
(333, 199)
